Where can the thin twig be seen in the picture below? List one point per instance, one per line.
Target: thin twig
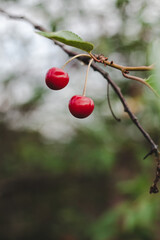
(17, 17)
(141, 80)
(102, 59)
(109, 104)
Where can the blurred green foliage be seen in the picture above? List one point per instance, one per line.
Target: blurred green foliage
(94, 186)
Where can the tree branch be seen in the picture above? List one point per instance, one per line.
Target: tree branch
(102, 59)
(85, 60)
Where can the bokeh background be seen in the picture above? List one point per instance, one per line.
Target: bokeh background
(68, 179)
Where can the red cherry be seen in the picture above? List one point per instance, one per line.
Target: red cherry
(56, 78)
(81, 106)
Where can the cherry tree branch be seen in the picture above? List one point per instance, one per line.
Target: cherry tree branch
(102, 59)
(17, 17)
(125, 69)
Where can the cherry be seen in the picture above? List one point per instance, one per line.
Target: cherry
(81, 106)
(56, 78)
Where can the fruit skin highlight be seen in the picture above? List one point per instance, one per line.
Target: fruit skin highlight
(56, 78)
(81, 106)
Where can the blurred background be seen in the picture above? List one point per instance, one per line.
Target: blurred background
(68, 179)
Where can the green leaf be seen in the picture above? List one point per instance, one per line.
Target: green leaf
(154, 84)
(69, 38)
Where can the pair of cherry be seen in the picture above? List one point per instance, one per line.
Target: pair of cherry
(79, 106)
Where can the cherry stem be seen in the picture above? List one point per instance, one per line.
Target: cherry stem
(76, 56)
(85, 84)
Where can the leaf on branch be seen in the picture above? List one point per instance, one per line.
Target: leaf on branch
(153, 84)
(69, 38)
